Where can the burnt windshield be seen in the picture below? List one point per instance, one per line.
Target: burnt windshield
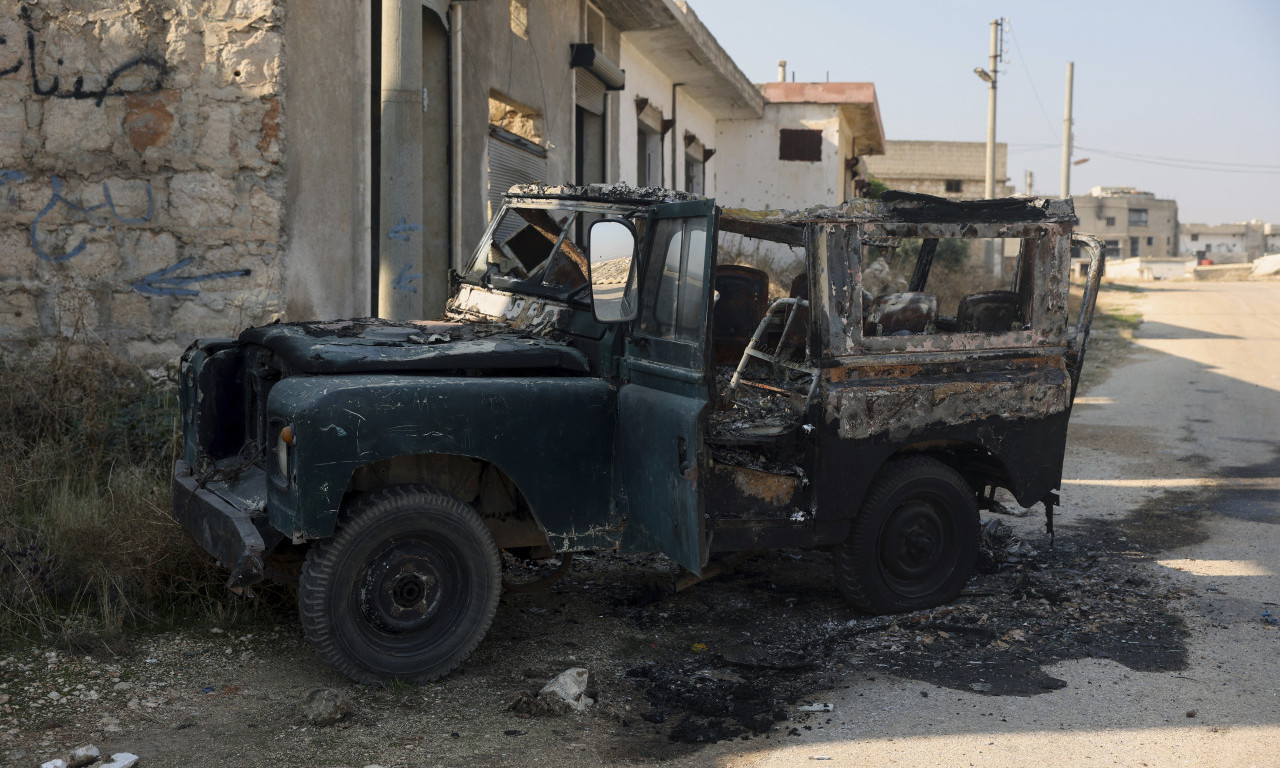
(540, 249)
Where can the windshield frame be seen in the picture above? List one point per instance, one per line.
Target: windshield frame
(479, 271)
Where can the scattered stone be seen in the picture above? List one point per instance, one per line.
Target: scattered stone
(324, 707)
(563, 693)
(4, 698)
(122, 686)
(78, 758)
(120, 760)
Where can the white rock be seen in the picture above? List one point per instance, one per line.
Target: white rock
(82, 756)
(569, 686)
(120, 760)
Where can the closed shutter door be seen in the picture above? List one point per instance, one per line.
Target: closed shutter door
(511, 162)
(589, 92)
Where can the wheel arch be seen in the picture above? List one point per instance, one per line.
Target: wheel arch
(976, 463)
(480, 483)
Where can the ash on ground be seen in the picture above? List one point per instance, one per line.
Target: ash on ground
(758, 640)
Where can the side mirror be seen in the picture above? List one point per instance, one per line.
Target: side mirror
(611, 248)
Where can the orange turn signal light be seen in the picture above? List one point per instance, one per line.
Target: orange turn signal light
(286, 435)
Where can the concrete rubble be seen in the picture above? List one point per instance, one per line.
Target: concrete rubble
(569, 686)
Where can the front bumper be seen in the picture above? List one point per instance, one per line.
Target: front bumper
(219, 515)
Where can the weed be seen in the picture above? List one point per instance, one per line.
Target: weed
(88, 549)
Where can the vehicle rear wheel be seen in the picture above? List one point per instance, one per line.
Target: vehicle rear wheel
(914, 543)
(406, 588)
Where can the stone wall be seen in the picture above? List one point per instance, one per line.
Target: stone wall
(141, 178)
(927, 166)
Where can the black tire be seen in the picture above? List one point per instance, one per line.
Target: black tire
(406, 588)
(914, 543)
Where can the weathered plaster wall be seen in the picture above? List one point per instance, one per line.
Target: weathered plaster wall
(646, 82)
(695, 118)
(141, 182)
(328, 188)
(533, 71)
(749, 173)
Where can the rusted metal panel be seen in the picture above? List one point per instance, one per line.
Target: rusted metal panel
(903, 407)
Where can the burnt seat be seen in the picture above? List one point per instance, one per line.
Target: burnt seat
(990, 312)
(743, 299)
(901, 314)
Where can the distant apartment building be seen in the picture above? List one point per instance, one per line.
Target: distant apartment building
(953, 169)
(1243, 241)
(1131, 223)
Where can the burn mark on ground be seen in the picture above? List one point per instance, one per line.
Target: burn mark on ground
(730, 657)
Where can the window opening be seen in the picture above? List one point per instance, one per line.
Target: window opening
(800, 144)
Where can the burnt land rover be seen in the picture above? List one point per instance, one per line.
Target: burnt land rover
(611, 373)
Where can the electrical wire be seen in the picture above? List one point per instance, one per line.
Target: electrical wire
(1187, 163)
(1022, 59)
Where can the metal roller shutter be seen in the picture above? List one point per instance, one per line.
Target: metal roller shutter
(589, 92)
(512, 160)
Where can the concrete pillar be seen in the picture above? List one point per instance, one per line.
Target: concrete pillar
(400, 269)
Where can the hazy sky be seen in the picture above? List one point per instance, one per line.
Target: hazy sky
(1191, 87)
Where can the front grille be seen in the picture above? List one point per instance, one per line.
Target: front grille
(261, 376)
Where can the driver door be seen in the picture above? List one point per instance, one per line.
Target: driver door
(666, 385)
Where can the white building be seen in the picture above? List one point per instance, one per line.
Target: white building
(806, 149)
(1228, 243)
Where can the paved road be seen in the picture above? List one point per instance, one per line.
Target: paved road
(1191, 421)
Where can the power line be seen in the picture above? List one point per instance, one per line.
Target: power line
(1023, 61)
(1187, 163)
(1252, 166)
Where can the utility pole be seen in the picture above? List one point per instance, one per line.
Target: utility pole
(990, 76)
(1031, 180)
(1067, 138)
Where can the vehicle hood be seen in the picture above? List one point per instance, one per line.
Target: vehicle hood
(371, 345)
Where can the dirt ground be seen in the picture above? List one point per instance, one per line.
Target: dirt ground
(767, 665)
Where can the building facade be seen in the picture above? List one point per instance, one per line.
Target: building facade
(808, 148)
(1131, 224)
(1241, 242)
(171, 169)
(951, 169)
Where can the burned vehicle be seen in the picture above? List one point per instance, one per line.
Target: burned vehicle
(612, 374)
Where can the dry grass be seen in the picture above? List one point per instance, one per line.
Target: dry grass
(87, 546)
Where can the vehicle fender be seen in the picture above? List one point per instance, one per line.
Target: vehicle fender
(552, 436)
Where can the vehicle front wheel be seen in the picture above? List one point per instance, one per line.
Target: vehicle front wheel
(406, 588)
(914, 542)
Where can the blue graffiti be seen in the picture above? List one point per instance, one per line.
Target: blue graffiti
(6, 178)
(58, 186)
(402, 229)
(163, 282)
(404, 280)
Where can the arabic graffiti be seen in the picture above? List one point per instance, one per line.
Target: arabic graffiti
(57, 198)
(163, 282)
(150, 69)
